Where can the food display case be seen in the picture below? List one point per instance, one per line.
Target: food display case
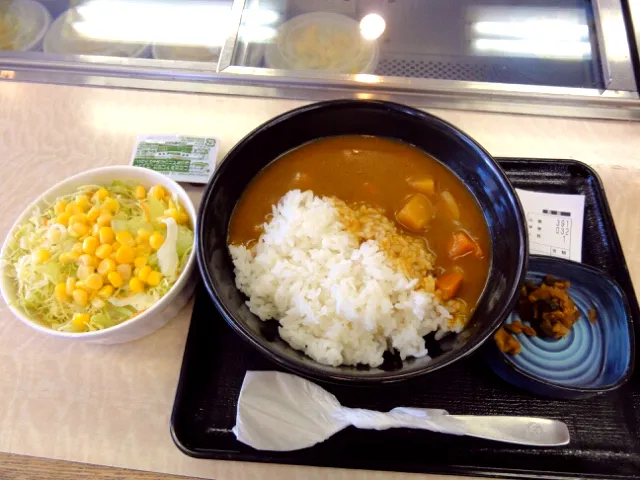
(551, 57)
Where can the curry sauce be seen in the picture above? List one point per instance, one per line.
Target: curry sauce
(383, 174)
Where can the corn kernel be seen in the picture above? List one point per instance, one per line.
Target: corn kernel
(158, 191)
(106, 235)
(95, 231)
(103, 251)
(88, 260)
(71, 285)
(60, 206)
(61, 292)
(136, 272)
(171, 212)
(106, 291)
(154, 279)
(144, 234)
(144, 272)
(80, 285)
(105, 266)
(73, 208)
(90, 245)
(78, 218)
(63, 219)
(115, 246)
(93, 214)
(68, 257)
(111, 204)
(80, 319)
(182, 218)
(84, 271)
(136, 285)
(142, 250)
(140, 262)
(80, 297)
(82, 201)
(115, 279)
(104, 220)
(94, 281)
(124, 270)
(77, 249)
(141, 193)
(41, 255)
(78, 229)
(125, 254)
(101, 194)
(125, 238)
(156, 240)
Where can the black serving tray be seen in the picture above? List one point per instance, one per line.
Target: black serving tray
(605, 431)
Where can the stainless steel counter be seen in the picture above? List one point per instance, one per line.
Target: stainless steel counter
(547, 57)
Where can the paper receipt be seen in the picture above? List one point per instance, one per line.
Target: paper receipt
(554, 223)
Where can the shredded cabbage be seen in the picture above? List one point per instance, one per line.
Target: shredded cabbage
(167, 253)
(35, 281)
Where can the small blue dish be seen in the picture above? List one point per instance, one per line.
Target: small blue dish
(593, 358)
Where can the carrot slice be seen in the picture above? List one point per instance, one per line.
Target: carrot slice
(461, 244)
(449, 284)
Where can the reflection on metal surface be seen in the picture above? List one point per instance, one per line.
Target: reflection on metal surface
(170, 22)
(584, 103)
(256, 33)
(324, 80)
(537, 48)
(226, 55)
(260, 16)
(634, 11)
(367, 78)
(30, 69)
(614, 38)
(614, 49)
(167, 22)
(522, 31)
(372, 26)
(548, 29)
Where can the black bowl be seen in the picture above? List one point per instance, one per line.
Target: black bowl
(468, 160)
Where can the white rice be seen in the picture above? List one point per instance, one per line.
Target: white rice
(336, 300)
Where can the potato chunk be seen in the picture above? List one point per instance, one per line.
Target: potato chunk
(416, 213)
(450, 206)
(424, 185)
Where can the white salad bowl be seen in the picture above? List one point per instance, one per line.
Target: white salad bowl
(151, 319)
